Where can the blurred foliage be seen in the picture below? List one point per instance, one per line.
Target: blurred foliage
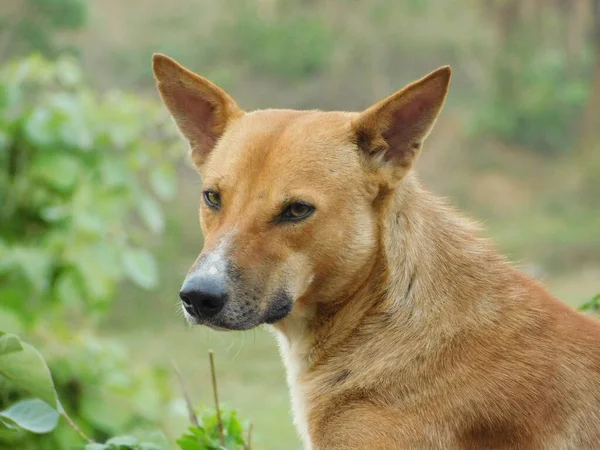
(290, 43)
(206, 435)
(35, 405)
(81, 177)
(538, 90)
(81, 180)
(291, 46)
(38, 25)
(536, 105)
(593, 305)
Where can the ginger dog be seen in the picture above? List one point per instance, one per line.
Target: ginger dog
(399, 327)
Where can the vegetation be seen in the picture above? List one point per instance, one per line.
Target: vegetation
(38, 26)
(98, 222)
(23, 365)
(74, 165)
(542, 78)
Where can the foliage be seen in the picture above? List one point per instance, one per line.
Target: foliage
(206, 435)
(124, 443)
(593, 305)
(25, 367)
(22, 365)
(292, 46)
(95, 384)
(81, 180)
(37, 25)
(244, 42)
(536, 96)
(81, 177)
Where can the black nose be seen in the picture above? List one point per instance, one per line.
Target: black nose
(203, 296)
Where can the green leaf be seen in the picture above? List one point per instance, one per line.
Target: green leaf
(67, 290)
(98, 265)
(10, 321)
(58, 170)
(38, 127)
(72, 127)
(9, 343)
(150, 212)
(235, 426)
(96, 446)
(103, 413)
(28, 370)
(189, 444)
(152, 446)
(124, 440)
(8, 424)
(33, 415)
(35, 265)
(67, 71)
(140, 267)
(591, 305)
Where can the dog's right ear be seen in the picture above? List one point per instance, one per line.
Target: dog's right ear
(200, 109)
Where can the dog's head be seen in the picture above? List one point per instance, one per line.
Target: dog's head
(289, 207)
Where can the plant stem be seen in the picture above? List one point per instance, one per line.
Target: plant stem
(75, 427)
(249, 440)
(214, 386)
(191, 413)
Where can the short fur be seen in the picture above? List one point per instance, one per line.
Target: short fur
(406, 329)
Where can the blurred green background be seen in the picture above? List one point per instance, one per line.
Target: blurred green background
(99, 206)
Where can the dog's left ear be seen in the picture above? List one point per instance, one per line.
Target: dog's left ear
(201, 109)
(391, 132)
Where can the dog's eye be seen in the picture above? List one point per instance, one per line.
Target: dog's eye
(297, 211)
(212, 199)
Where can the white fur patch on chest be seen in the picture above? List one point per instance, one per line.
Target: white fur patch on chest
(293, 355)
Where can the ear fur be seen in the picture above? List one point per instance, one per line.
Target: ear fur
(200, 109)
(391, 132)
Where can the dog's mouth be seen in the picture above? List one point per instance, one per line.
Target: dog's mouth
(240, 318)
(225, 323)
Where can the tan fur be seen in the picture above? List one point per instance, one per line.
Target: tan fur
(407, 330)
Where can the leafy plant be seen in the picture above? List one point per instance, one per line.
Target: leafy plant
(212, 429)
(22, 365)
(206, 435)
(593, 305)
(26, 368)
(36, 25)
(81, 180)
(293, 46)
(536, 95)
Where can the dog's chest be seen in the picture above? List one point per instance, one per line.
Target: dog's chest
(293, 356)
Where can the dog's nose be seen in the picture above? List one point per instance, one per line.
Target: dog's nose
(203, 296)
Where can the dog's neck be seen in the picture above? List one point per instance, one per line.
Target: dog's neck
(431, 276)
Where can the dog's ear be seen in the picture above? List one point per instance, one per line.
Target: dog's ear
(200, 109)
(391, 132)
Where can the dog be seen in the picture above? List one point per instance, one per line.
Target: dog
(399, 327)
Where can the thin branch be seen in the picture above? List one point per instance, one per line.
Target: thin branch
(214, 386)
(75, 427)
(191, 413)
(249, 439)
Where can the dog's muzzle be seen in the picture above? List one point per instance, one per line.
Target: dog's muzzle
(204, 295)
